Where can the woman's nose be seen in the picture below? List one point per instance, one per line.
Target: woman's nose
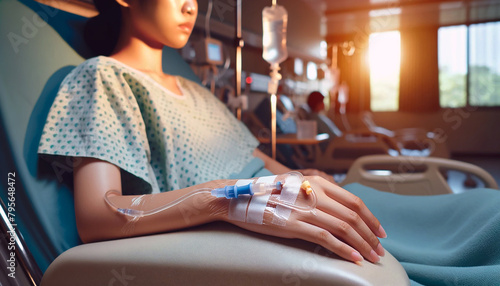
(189, 7)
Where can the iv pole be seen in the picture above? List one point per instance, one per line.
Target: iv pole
(272, 89)
(239, 44)
(273, 118)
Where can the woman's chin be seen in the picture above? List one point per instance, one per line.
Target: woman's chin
(177, 44)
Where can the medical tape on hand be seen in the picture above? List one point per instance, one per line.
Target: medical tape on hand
(238, 206)
(257, 206)
(288, 195)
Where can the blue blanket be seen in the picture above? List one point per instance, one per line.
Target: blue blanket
(441, 240)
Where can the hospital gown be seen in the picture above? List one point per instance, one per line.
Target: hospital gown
(162, 141)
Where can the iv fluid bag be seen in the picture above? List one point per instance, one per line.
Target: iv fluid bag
(274, 22)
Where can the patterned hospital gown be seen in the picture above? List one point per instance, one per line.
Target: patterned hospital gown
(161, 141)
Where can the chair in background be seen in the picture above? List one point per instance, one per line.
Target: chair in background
(334, 156)
(339, 153)
(411, 141)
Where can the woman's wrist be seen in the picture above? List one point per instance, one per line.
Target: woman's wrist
(215, 209)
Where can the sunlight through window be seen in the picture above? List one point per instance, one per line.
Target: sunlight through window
(452, 59)
(385, 59)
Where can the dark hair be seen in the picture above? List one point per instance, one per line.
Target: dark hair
(101, 32)
(314, 99)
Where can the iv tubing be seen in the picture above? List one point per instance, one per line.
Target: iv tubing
(273, 125)
(207, 19)
(140, 213)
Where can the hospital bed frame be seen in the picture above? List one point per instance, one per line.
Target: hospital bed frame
(408, 175)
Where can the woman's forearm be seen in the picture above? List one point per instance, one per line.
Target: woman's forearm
(272, 165)
(96, 220)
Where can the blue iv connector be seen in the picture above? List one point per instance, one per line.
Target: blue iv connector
(230, 192)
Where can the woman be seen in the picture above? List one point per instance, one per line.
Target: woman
(135, 130)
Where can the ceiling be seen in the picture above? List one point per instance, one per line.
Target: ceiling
(354, 16)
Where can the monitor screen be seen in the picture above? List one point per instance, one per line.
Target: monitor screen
(214, 52)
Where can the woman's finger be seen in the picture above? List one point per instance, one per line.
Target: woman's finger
(326, 239)
(350, 201)
(339, 211)
(343, 231)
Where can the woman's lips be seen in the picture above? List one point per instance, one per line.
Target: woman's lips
(186, 27)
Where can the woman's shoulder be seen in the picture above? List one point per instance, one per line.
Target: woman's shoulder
(92, 69)
(97, 63)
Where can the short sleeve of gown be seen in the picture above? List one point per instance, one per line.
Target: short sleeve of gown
(96, 115)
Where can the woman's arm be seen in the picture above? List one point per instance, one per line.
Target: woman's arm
(341, 222)
(269, 163)
(96, 220)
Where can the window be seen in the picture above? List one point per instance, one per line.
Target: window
(484, 64)
(452, 58)
(312, 71)
(469, 65)
(385, 58)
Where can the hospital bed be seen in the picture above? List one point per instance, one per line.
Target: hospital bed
(43, 46)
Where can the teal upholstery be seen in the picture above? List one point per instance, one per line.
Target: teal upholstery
(40, 46)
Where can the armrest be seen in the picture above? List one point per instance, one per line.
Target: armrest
(214, 254)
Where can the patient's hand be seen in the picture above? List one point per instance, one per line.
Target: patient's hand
(341, 223)
(316, 172)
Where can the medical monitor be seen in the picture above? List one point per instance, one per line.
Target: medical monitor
(210, 51)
